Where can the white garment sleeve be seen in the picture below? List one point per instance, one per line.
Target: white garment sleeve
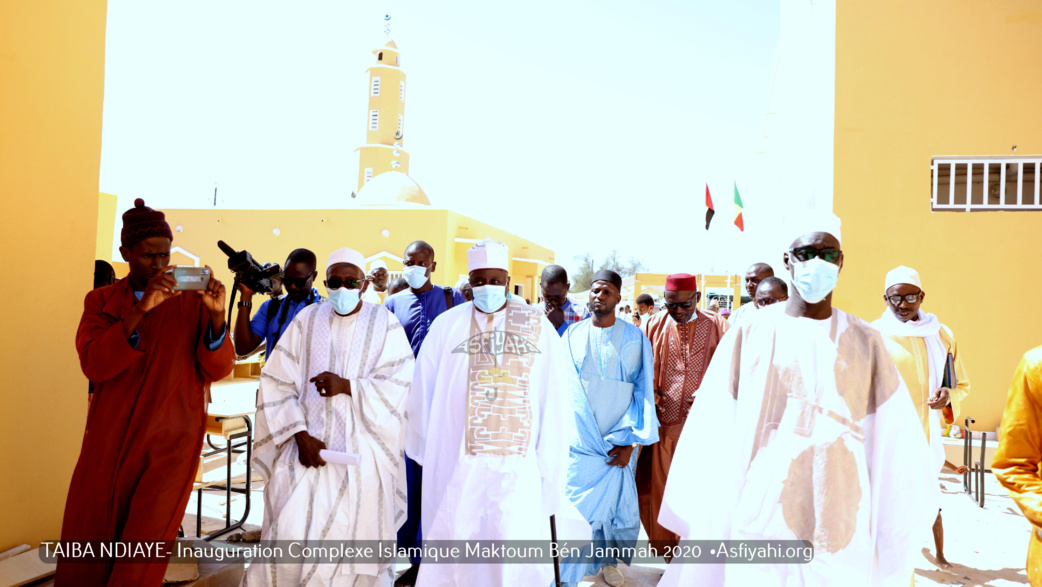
(556, 422)
(424, 381)
(903, 478)
(279, 414)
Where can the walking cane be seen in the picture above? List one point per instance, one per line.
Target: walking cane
(557, 561)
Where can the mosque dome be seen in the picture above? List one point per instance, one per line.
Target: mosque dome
(392, 188)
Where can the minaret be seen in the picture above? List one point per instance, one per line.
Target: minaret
(385, 120)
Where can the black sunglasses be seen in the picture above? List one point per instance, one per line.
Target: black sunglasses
(296, 281)
(910, 298)
(675, 305)
(337, 283)
(804, 254)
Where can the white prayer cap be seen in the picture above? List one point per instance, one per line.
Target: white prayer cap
(809, 222)
(901, 275)
(377, 264)
(461, 283)
(488, 254)
(346, 255)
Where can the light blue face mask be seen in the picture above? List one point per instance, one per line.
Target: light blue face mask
(814, 279)
(415, 276)
(489, 298)
(344, 300)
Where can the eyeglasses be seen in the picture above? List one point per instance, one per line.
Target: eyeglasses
(337, 283)
(675, 305)
(910, 298)
(296, 281)
(804, 254)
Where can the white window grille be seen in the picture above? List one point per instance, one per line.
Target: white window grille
(401, 124)
(376, 86)
(974, 184)
(368, 174)
(374, 120)
(401, 90)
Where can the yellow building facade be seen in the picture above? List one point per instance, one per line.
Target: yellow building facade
(917, 81)
(378, 233)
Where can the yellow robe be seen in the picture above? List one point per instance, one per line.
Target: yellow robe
(1018, 459)
(909, 354)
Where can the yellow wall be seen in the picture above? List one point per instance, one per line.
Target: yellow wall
(324, 231)
(51, 87)
(106, 226)
(915, 80)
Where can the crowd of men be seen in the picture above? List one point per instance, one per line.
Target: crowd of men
(401, 410)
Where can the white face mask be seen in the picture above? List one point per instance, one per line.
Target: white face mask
(489, 298)
(415, 276)
(814, 279)
(344, 300)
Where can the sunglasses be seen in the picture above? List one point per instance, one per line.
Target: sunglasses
(910, 298)
(337, 283)
(804, 254)
(296, 281)
(675, 305)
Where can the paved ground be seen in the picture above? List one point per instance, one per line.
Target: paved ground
(988, 547)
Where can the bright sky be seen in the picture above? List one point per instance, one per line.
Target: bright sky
(584, 126)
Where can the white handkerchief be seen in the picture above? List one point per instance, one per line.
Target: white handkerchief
(341, 458)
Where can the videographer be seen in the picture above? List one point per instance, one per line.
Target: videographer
(276, 314)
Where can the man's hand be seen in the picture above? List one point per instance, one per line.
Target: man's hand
(690, 400)
(622, 456)
(658, 396)
(213, 298)
(245, 293)
(330, 384)
(307, 449)
(940, 398)
(554, 314)
(159, 289)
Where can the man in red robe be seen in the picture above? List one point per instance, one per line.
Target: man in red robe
(683, 340)
(149, 350)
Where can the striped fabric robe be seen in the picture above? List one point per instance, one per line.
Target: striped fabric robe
(334, 502)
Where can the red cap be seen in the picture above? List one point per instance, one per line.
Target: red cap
(141, 222)
(682, 282)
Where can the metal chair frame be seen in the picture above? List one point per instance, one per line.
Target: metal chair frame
(229, 450)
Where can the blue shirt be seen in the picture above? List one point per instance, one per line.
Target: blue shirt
(270, 329)
(417, 312)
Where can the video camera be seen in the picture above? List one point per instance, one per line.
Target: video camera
(249, 272)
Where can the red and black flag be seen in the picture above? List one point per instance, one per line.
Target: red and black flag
(709, 204)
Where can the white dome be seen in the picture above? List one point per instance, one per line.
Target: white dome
(389, 188)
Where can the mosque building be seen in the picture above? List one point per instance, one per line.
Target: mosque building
(387, 211)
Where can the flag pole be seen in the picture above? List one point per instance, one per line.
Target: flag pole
(557, 559)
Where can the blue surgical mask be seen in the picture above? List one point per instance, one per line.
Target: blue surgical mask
(415, 276)
(489, 298)
(814, 279)
(344, 300)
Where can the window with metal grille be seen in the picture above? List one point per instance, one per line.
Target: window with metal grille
(975, 184)
(401, 90)
(368, 174)
(374, 120)
(401, 124)
(376, 86)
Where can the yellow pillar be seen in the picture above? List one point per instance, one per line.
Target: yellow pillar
(52, 78)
